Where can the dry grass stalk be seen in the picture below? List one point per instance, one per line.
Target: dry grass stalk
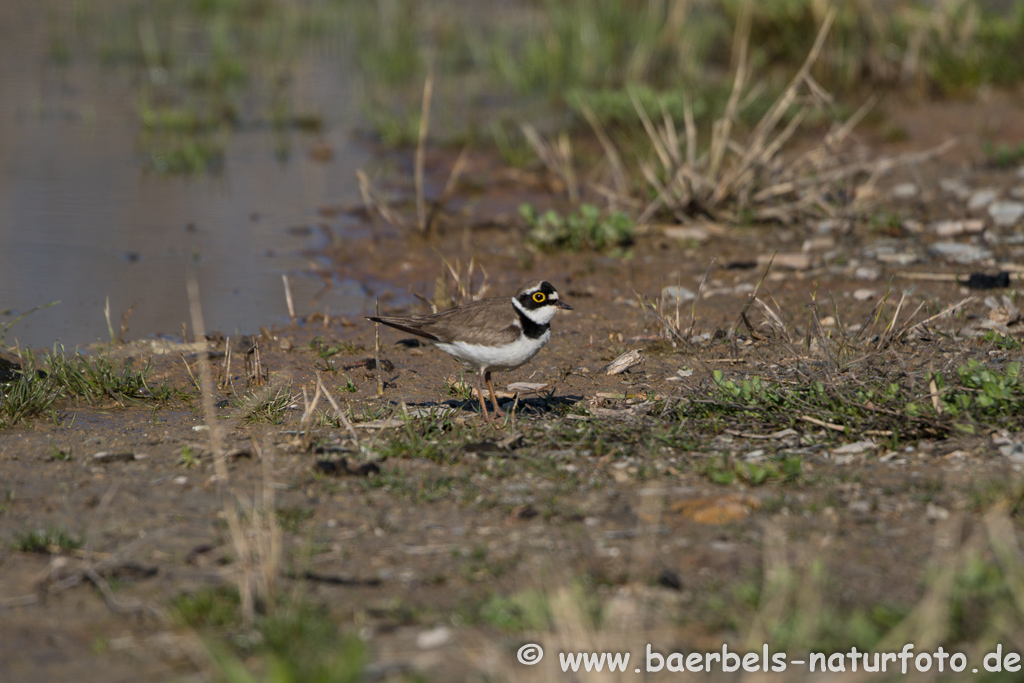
(421, 141)
(455, 286)
(225, 378)
(908, 328)
(257, 538)
(374, 201)
(1003, 541)
(449, 189)
(557, 158)
(106, 315)
(742, 317)
(670, 330)
(751, 179)
(254, 370)
(376, 350)
(306, 422)
(337, 409)
(672, 327)
(618, 171)
(288, 297)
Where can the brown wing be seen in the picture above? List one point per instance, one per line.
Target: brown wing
(412, 324)
(488, 322)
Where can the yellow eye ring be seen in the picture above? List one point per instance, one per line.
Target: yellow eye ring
(539, 297)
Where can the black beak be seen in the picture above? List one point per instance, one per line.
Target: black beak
(562, 304)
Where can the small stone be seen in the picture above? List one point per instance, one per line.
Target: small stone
(912, 225)
(790, 261)
(899, 258)
(959, 253)
(856, 448)
(1014, 451)
(828, 226)
(905, 191)
(673, 294)
(864, 294)
(862, 507)
(114, 456)
(1006, 213)
(818, 244)
(934, 513)
(686, 233)
(981, 198)
(865, 273)
(955, 188)
(956, 228)
(433, 638)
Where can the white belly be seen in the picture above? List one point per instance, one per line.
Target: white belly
(496, 358)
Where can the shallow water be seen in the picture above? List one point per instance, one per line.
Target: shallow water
(81, 220)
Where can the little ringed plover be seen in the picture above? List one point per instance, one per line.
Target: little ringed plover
(490, 335)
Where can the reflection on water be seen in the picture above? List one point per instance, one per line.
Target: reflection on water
(81, 222)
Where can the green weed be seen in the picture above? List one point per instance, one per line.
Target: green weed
(188, 458)
(526, 610)
(98, 377)
(60, 455)
(300, 642)
(425, 439)
(1003, 341)
(586, 228)
(293, 518)
(36, 387)
(1004, 156)
(50, 539)
(267, 407)
(325, 350)
(208, 608)
(26, 396)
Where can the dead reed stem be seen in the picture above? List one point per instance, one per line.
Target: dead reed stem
(376, 351)
(288, 297)
(257, 544)
(449, 189)
(421, 142)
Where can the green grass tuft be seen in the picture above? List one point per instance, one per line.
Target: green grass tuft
(586, 228)
(47, 540)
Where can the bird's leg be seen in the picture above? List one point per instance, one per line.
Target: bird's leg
(494, 399)
(480, 393)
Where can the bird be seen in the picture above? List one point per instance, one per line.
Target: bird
(489, 335)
